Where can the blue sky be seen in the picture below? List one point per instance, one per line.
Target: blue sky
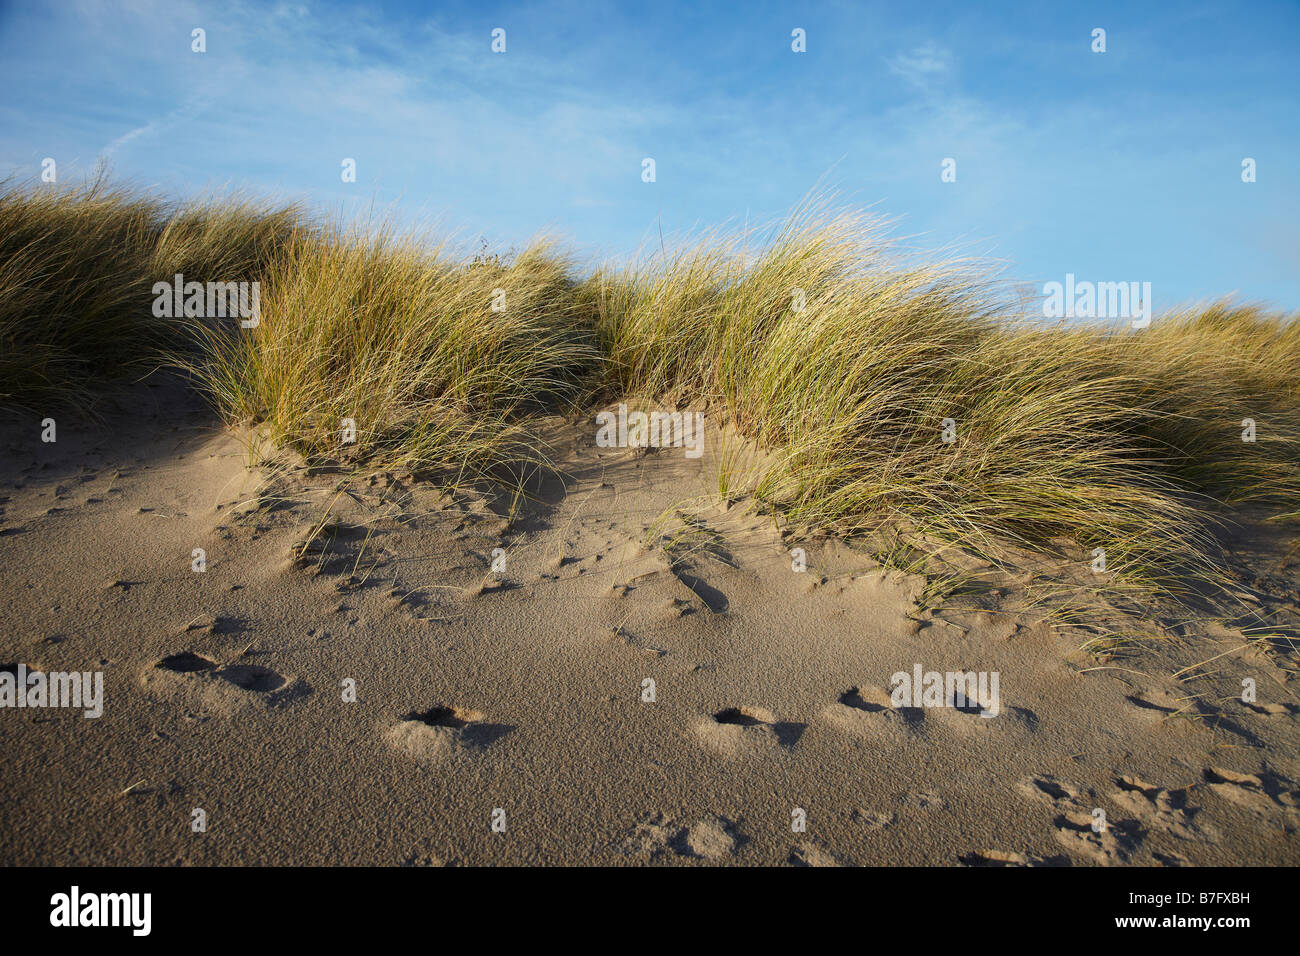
(1118, 166)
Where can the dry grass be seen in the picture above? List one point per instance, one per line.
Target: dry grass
(74, 289)
(817, 340)
(77, 268)
(1091, 436)
(401, 338)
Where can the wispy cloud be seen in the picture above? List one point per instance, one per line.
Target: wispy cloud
(1053, 145)
(174, 118)
(924, 66)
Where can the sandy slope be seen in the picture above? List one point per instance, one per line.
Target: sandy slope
(224, 689)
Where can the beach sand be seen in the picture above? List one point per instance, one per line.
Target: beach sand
(519, 696)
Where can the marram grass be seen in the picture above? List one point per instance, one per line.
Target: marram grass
(845, 361)
(848, 361)
(77, 266)
(401, 340)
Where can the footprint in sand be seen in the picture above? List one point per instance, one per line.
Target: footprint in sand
(186, 662)
(443, 730)
(868, 713)
(712, 838)
(1264, 793)
(423, 854)
(743, 731)
(810, 853)
(1047, 789)
(969, 717)
(251, 677)
(198, 682)
(1151, 810)
(873, 819)
(1160, 708)
(30, 667)
(1162, 810)
(334, 548)
(1074, 821)
(1115, 844)
(217, 624)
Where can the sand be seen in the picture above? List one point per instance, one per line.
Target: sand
(350, 682)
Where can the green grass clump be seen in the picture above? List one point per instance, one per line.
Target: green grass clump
(402, 338)
(77, 269)
(74, 290)
(223, 239)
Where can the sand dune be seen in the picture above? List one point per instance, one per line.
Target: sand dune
(644, 679)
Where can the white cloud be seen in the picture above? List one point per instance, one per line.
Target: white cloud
(923, 66)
